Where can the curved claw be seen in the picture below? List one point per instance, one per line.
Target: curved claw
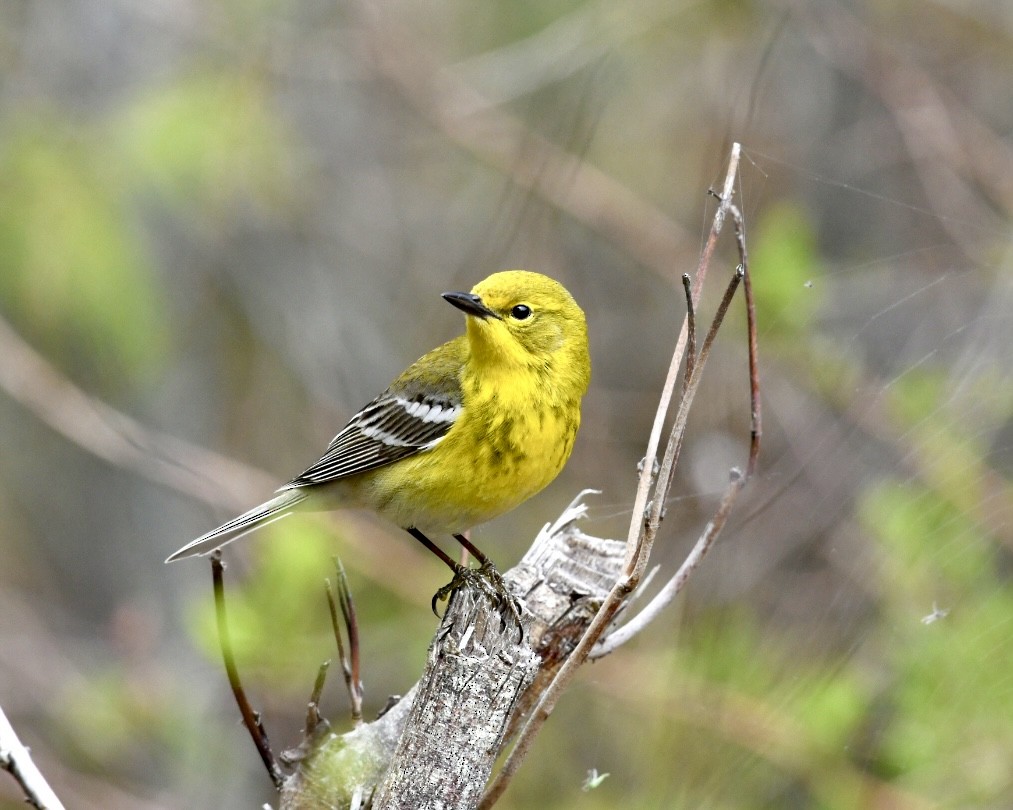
(487, 580)
(461, 578)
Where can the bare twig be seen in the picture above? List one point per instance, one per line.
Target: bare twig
(738, 480)
(16, 759)
(643, 526)
(350, 662)
(313, 717)
(666, 472)
(755, 410)
(251, 719)
(671, 589)
(690, 329)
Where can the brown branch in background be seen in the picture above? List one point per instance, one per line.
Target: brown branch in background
(111, 435)
(643, 527)
(251, 719)
(350, 662)
(531, 161)
(956, 156)
(16, 759)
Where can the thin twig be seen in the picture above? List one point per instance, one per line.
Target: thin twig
(690, 329)
(642, 531)
(351, 661)
(313, 716)
(332, 607)
(16, 759)
(635, 536)
(666, 472)
(755, 409)
(672, 588)
(251, 719)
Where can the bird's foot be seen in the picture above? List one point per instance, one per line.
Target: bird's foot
(488, 581)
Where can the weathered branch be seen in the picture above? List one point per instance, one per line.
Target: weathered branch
(444, 736)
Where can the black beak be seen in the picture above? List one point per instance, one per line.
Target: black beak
(471, 304)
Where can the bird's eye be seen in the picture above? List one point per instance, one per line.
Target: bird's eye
(521, 312)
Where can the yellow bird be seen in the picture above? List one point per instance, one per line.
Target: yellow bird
(467, 432)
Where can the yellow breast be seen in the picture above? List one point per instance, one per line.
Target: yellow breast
(514, 443)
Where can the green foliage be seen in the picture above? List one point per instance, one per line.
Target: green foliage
(786, 270)
(917, 395)
(278, 618)
(950, 696)
(107, 716)
(208, 141)
(75, 274)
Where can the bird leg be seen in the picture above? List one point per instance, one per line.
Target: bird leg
(486, 579)
(493, 586)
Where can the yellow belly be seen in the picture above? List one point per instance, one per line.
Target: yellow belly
(508, 458)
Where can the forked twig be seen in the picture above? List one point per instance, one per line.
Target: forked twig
(671, 589)
(350, 661)
(652, 490)
(251, 718)
(738, 480)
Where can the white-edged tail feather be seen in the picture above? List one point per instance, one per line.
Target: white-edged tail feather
(268, 512)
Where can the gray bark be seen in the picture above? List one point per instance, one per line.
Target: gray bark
(437, 746)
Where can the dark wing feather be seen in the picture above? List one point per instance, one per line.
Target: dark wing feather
(410, 417)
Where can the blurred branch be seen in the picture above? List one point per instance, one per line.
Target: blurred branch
(115, 437)
(208, 477)
(565, 46)
(532, 162)
(947, 142)
(17, 761)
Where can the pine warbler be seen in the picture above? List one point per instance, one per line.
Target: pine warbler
(467, 432)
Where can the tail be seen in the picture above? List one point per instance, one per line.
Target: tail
(274, 509)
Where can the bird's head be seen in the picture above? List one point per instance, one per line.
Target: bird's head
(517, 317)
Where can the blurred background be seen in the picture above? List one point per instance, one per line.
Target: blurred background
(225, 226)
